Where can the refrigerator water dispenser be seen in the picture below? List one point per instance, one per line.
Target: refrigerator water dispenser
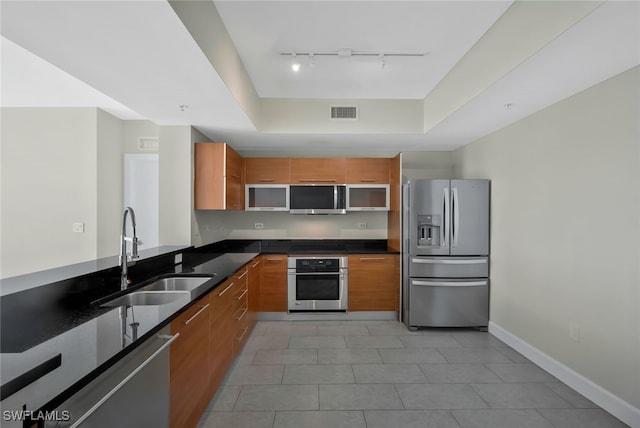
(429, 230)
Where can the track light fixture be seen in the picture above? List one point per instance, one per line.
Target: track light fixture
(295, 65)
(347, 53)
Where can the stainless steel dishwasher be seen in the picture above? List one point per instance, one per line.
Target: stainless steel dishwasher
(132, 393)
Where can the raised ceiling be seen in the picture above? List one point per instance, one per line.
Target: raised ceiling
(141, 59)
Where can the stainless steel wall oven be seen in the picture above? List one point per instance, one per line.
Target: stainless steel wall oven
(318, 283)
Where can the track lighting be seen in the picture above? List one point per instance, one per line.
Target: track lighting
(346, 53)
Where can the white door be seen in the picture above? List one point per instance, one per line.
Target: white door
(141, 193)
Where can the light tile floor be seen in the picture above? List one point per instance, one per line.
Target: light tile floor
(377, 374)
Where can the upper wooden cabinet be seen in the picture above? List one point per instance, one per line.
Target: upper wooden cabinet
(367, 170)
(219, 177)
(267, 170)
(318, 170)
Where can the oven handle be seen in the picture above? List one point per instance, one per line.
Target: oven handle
(317, 273)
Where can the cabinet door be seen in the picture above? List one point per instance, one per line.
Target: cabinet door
(189, 372)
(267, 170)
(318, 170)
(255, 279)
(234, 180)
(220, 333)
(374, 282)
(219, 177)
(273, 289)
(367, 197)
(367, 170)
(209, 181)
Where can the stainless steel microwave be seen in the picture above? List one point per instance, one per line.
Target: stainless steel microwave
(317, 199)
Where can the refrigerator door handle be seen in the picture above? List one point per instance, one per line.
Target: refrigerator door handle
(445, 218)
(450, 262)
(450, 284)
(456, 218)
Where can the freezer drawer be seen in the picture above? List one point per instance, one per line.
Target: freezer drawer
(448, 267)
(448, 303)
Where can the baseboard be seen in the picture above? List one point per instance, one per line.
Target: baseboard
(329, 316)
(600, 396)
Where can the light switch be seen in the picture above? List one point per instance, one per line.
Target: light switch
(78, 227)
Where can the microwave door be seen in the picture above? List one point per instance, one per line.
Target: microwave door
(429, 217)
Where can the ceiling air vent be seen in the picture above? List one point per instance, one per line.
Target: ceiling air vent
(344, 112)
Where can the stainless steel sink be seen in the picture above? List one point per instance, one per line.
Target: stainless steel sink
(176, 283)
(148, 298)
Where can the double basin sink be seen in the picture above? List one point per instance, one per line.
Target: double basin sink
(162, 292)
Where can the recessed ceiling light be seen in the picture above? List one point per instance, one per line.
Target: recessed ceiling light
(508, 106)
(183, 107)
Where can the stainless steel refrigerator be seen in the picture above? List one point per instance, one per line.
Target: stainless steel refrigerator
(446, 253)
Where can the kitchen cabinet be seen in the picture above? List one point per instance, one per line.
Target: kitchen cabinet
(240, 317)
(220, 333)
(219, 177)
(267, 170)
(254, 282)
(367, 170)
(318, 170)
(267, 197)
(273, 288)
(374, 282)
(189, 368)
(367, 197)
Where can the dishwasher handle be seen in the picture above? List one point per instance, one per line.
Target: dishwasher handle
(124, 381)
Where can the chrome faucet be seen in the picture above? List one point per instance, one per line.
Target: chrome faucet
(123, 246)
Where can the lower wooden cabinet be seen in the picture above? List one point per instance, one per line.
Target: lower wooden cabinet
(273, 289)
(374, 282)
(189, 369)
(212, 333)
(254, 283)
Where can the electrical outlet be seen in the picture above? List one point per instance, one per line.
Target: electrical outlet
(258, 226)
(78, 227)
(362, 225)
(574, 332)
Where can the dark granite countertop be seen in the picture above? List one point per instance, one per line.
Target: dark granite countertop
(60, 318)
(64, 319)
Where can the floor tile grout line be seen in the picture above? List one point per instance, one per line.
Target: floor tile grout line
(537, 410)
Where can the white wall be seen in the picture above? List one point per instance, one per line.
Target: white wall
(427, 165)
(48, 183)
(176, 194)
(135, 129)
(110, 183)
(565, 230)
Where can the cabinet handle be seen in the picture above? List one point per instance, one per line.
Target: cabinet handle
(257, 263)
(244, 331)
(317, 180)
(364, 259)
(226, 289)
(267, 180)
(246, 290)
(127, 379)
(243, 314)
(274, 260)
(242, 276)
(235, 175)
(196, 314)
(368, 180)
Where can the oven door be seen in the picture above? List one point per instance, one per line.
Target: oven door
(321, 291)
